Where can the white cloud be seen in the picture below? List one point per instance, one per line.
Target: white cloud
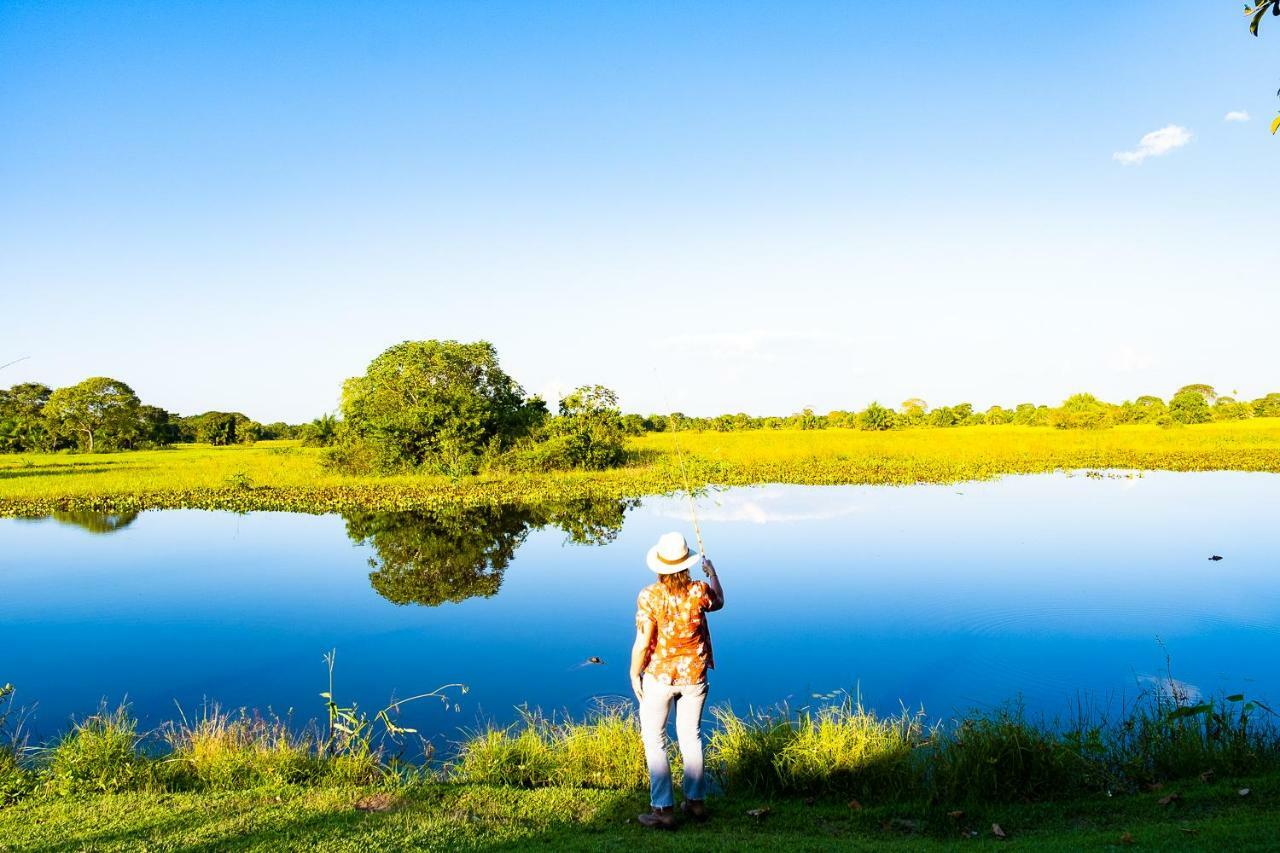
(773, 506)
(1236, 115)
(1157, 143)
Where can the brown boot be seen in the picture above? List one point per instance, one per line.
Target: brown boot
(659, 818)
(695, 809)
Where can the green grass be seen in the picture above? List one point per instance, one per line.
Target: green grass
(284, 476)
(449, 816)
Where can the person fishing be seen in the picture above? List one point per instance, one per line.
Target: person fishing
(669, 663)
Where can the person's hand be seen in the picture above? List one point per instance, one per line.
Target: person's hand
(637, 688)
(708, 568)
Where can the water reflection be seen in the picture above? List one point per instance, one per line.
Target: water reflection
(452, 554)
(96, 522)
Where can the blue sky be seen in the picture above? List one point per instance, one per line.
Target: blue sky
(708, 207)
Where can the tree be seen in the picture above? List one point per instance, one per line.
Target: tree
(1082, 411)
(1203, 390)
(99, 410)
(997, 416)
(1189, 407)
(436, 403)
(1267, 407)
(590, 428)
(321, 432)
(1228, 409)
(22, 422)
(157, 427)
(876, 417)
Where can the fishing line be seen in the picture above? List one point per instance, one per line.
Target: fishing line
(684, 476)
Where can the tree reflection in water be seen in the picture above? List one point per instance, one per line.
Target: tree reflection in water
(96, 522)
(452, 554)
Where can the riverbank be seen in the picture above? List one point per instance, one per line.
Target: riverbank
(285, 476)
(1206, 816)
(1168, 774)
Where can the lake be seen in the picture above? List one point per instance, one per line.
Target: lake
(1046, 588)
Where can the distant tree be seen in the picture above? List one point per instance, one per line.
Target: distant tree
(876, 417)
(22, 423)
(157, 428)
(321, 432)
(98, 412)
(841, 419)
(633, 424)
(1228, 409)
(590, 426)
(997, 415)
(1267, 407)
(1200, 388)
(655, 423)
(962, 412)
(1082, 411)
(1189, 407)
(225, 428)
(943, 416)
(439, 404)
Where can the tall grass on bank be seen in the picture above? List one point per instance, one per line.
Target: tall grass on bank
(604, 751)
(838, 750)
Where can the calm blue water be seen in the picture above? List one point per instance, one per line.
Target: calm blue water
(950, 597)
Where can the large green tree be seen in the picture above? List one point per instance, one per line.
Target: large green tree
(99, 412)
(440, 404)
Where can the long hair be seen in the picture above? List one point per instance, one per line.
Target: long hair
(676, 583)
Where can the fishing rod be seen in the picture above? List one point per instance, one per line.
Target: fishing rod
(15, 361)
(693, 507)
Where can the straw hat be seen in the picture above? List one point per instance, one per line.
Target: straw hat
(671, 555)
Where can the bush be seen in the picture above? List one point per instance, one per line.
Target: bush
(16, 781)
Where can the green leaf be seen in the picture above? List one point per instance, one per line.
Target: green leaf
(1275, 124)
(1189, 711)
(1235, 697)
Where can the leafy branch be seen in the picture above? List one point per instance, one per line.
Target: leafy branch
(1255, 15)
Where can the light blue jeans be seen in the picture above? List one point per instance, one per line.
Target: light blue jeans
(655, 709)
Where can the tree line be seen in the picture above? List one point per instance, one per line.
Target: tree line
(1190, 404)
(102, 414)
(449, 407)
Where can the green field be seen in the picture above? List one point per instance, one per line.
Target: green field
(284, 476)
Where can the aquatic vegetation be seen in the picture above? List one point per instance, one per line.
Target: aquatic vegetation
(260, 477)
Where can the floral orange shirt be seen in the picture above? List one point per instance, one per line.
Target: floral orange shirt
(680, 652)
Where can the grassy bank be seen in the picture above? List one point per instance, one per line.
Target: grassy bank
(283, 476)
(446, 816)
(1167, 774)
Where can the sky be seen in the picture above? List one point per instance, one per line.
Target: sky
(711, 207)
